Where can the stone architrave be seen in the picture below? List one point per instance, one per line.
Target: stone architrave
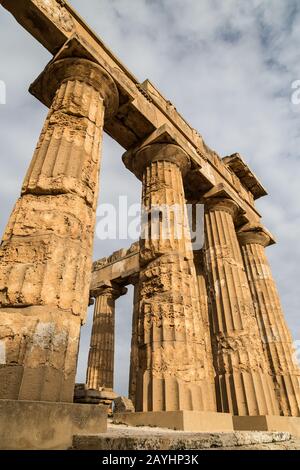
(46, 250)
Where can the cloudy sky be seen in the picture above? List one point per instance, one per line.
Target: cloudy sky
(228, 66)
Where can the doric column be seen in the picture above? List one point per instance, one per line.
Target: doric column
(205, 308)
(100, 371)
(243, 380)
(46, 250)
(134, 356)
(277, 340)
(172, 357)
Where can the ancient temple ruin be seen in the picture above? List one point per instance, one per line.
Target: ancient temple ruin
(210, 344)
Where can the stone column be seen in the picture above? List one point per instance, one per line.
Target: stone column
(277, 340)
(134, 356)
(243, 380)
(172, 358)
(100, 371)
(46, 250)
(205, 309)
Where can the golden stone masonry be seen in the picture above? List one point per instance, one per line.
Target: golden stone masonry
(210, 350)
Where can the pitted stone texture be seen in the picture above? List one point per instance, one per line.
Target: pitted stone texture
(244, 383)
(67, 157)
(173, 372)
(39, 346)
(58, 13)
(45, 256)
(46, 252)
(163, 200)
(277, 340)
(54, 220)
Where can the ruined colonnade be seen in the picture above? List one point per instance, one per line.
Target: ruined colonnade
(209, 333)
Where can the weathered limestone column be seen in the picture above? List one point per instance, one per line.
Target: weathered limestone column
(100, 371)
(46, 250)
(134, 353)
(277, 340)
(243, 379)
(205, 307)
(172, 358)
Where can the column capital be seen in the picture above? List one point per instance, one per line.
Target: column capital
(255, 234)
(222, 198)
(110, 289)
(155, 152)
(60, 71)
(222, 204)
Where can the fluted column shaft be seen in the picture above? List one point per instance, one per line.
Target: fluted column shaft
(243, 381)
(134, 356)
(205, 307)
(277, 340)
(46, 250)
(100, 371)
(172, 358)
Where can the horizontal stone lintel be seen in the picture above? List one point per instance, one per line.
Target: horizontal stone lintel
(119, 267)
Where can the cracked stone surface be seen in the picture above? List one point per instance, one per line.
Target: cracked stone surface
(46, 250)
(121, 437)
